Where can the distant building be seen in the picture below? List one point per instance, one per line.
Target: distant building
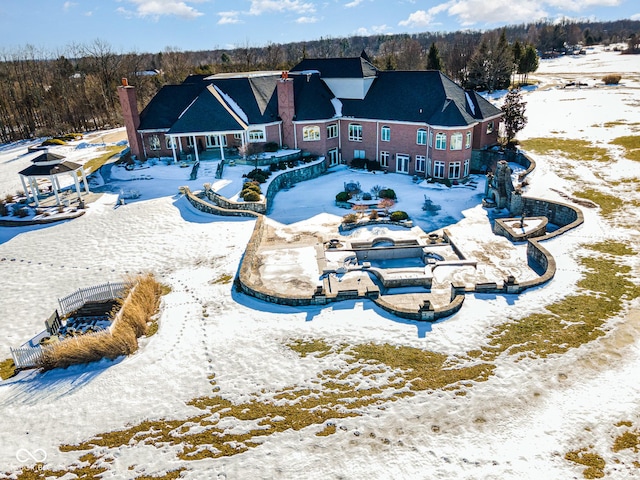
(413, 122)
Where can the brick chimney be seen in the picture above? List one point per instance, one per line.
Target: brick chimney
(131, 116)
(286, 109)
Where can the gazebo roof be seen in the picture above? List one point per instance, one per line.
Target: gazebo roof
(48, 169)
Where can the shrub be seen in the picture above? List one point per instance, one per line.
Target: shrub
(21, 212)
(271, 147)
(366, 196)
(359, 162)
(282, 166)
(350, 218)
(373, 215)
(259, 175)
(611, 79)
(374, 165)
(250, 196)
(9, 198)
(252, 186)
(387, 193)
(53, 141)
(343, 197)
(4, 210)
(375, 190)
(273, 167)
(398, 216)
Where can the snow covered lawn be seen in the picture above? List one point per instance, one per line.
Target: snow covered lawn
(232, 387)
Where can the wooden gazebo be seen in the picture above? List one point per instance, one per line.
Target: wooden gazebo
(51, 166)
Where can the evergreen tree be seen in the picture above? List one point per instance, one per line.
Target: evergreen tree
(491, 65)
(514, 117)
(529, 62)
(434, 62)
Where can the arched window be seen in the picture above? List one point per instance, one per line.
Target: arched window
(441, 141)
(456, 141)
(255, 135)
(385, 134)
(421, 138)
(311, 133)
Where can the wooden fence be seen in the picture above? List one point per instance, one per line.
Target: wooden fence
(97, 293)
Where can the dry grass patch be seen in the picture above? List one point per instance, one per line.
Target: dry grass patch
(7, 369)
(631, 144)
(578, 318)
(609, 204)
(134, 315)
(572, 149)
(95, 163)
(595, 463)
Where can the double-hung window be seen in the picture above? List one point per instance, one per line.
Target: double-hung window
(154, 142)
(468, 142)
(332, 130)
(384, 159)
(456, 141)
(385, 134)
(421, 137)
(421, 162)
(355, 132)
(441, 141)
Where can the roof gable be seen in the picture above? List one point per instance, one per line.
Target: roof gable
(353, 67)
(208, 113)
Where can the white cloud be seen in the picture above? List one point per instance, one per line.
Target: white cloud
(258, 7)
(417, 19)
(470, 12)
(159, 8)
(373, 30)
(354, 3)
(635, 16)
(227, 18)
(307, 20)
(68, 5)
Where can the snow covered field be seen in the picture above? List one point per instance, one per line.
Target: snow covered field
(518, 422)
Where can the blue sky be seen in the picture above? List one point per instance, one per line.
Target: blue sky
(154, 25)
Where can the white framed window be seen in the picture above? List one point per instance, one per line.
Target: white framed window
(311, 133)
(466, 168)
(490, 127)
(355, 132)
(385, 134)
(421, 163)
(255, 136)
(430, 138)
(214, 141)
(384, 159)
(154, 142)
(421, 137)
(438, 169)
(456, 141)
(190, 142)
(359, 154)
(441, 141)
(467, 144)
(170, 142)
(454, 170)
(237, 136)
(332, 130)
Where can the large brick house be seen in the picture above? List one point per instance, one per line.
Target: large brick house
(414, 122)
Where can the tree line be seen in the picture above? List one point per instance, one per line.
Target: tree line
(45, 93)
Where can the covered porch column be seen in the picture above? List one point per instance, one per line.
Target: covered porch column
(76, 183)
(195, 148)
(84, 179)
(173, 148)
(26, 190)
(221, 145)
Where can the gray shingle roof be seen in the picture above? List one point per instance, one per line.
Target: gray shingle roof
(354, 67)
(208, 113)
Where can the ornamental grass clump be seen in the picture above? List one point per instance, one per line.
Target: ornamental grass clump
(131, 319)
